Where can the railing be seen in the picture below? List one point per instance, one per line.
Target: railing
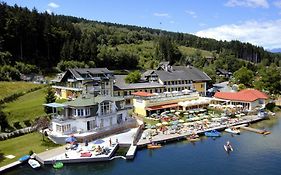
(164, 98)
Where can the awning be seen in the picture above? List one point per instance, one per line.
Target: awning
(55, 105)
(152, 108)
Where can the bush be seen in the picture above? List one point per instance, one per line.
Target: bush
(17, 125)
(31, 152)
(27, 123)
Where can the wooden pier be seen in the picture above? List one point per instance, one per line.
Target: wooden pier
(259, 131)
(131, 152)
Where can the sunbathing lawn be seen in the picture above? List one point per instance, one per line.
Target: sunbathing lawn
(26, 107)
(20, 146)
(9, 88)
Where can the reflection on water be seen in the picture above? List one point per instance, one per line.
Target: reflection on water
(253, 154)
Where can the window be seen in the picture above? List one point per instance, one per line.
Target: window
(202, 85)
(91, 124)
(105, 108)
(63, 128)
(87, 112)
(82, 112)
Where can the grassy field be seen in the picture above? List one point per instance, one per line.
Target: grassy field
(9, 88)
(20, 146)
(190, 51)
(26, 107)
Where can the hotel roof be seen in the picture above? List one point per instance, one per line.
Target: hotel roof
(244, 95)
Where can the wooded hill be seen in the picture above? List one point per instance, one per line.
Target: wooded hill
(45, 40)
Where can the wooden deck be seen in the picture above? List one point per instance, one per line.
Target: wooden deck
(259, 131)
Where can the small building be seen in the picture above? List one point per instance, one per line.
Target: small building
(249, 99)
(223, 73)
(146, 103)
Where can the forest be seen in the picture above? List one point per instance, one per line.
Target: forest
(40, 42)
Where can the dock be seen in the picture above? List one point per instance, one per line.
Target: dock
(131, 152)
(9, 166)
(259, 131)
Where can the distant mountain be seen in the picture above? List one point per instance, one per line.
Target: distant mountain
(276, 50)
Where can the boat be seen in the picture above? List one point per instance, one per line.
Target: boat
(232, 130)
(58, 165)
(266, 132)
(34, 163)
(153, 146)
(24, 158)
(228, 148)
(213, 133)
(193, 138)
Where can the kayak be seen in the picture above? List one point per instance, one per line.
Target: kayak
(228, 148)
(58, 165)
(24, 158)
(34, 163)
(232, 131)
(151, 146)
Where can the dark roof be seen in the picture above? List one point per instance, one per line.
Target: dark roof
(193, 73)
(222, 71)
(78, 72)
(121, 84)
(182, 73)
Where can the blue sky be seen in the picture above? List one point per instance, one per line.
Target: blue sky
(254, 21)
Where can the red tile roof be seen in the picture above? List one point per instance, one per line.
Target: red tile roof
(244, 95)
(142, 94)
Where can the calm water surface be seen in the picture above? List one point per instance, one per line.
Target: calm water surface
(253, 154)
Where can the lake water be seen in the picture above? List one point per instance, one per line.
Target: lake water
(253, 154)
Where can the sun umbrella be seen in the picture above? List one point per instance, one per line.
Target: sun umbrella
(174, 122)
(181, 121)
(99, 141)
(148, 126)
(178, 113)
(165, 123)
(70, 139)
(158, 124)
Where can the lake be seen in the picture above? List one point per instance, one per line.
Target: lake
(253, 154)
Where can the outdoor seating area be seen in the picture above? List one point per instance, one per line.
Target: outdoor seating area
(186, 122)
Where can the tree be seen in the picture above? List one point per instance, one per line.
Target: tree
(3, 121)
(244, 76)
(133, 77)
(49, 98)
(42, 123)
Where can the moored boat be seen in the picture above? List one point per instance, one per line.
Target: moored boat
(34, 163)
(213, 133)
(153, 146)
(58, 165)
(24, 158)
(193, 138)
(232, 130)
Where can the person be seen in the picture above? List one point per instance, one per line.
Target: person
(227, 143)
(86, 143)
(116, 141)
(66, 156)
(110, 143)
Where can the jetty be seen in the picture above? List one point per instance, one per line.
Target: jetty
(259, 131)
(9, 166)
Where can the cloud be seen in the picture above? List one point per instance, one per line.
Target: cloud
(53, 5)
(248, 3)
(161, 15)
(172, 22)
(191, 13)
(264, 33)
(49, 11)
(202, 24)
(277, 4)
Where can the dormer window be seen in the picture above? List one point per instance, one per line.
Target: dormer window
(105, 108)
(80, 112)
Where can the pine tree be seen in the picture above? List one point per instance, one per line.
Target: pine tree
(49, 98)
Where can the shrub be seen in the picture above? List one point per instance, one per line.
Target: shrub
(17, 125)
(27, 123)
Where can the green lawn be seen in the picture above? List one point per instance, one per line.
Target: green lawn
(26, 107)
(9, 88)
(20, 146)
(190, 51)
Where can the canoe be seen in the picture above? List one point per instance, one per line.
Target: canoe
(266, 133)
(213, 133)
(24, 158)
(236, 131)
(228, 148)
(58, 165)
(151, 146)
(34, 163)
